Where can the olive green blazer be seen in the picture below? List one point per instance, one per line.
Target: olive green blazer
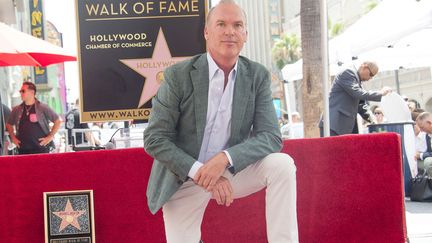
(177, 122)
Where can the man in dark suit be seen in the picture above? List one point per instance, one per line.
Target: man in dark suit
(424, 156)
(346, 95)
(214, 134)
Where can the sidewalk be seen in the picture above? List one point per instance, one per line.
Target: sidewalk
(419, 221)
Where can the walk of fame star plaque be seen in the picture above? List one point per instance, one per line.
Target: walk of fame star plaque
(125, 46)
(69, 217)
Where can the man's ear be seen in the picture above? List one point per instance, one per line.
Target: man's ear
(206, 35)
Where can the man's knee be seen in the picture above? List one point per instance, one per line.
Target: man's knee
(427, 166)
(428, 162)
(280, 162)
(424, 164)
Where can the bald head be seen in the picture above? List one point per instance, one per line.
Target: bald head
(225, 33)
(210, 13)
(372, 66)
(424, 121)
(367, 70)
(424, 116)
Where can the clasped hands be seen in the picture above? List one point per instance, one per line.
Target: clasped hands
(209, 177)
(417, 156)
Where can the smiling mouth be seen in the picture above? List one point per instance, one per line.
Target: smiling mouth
(229, 42)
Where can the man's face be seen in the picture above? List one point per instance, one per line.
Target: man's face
(425, 126)
(26, 93)
(366, 73)
(411, 105)
(379, 115)
(226, 32)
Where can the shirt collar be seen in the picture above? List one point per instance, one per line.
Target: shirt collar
(213, 67)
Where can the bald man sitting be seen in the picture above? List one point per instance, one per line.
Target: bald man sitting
(424, 157)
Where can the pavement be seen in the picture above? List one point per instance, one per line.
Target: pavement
(419, 221)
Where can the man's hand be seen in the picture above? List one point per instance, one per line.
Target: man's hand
(386, 90)
(223, 192)
(46, 140)
(16, 141)
(417, 156)
(211, 171)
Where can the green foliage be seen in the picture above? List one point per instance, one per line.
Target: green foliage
(371, 5)
(286, 50)
(336, 29)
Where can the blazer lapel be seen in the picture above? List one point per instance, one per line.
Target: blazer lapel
(358, 78)
(200, 82)
(242, 90)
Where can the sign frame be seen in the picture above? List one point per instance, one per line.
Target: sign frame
(70, 215)
(175, 32)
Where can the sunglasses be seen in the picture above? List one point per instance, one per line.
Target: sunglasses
(370, 72)
(22, 91)
(378, 113)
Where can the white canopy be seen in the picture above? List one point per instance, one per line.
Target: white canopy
(410, 52)
(384, 26)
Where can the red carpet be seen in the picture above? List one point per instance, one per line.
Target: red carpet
(349, 190)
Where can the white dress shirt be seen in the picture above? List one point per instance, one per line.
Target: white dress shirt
(218, 124)
(421, 145)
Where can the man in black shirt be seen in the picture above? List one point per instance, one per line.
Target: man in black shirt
(31, 120)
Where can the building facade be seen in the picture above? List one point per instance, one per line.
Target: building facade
(28, 16)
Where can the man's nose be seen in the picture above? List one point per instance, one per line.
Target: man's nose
(229, 30)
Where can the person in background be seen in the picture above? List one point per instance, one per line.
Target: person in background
(379, 115)
(424, 153)
(4, 143)
(295, 117)
(419, 144)
(73, 122)
(31, 119)
(283, 120)
(347, 96)
(413, 104)
(97, 128)
(373, 107)
(295, 129)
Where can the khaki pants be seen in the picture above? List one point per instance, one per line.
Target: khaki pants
(425, 165)
(183, 213)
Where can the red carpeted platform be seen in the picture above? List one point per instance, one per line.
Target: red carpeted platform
(349, 190)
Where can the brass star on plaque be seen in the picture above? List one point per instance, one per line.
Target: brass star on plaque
(69, 216)
(152, 68)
